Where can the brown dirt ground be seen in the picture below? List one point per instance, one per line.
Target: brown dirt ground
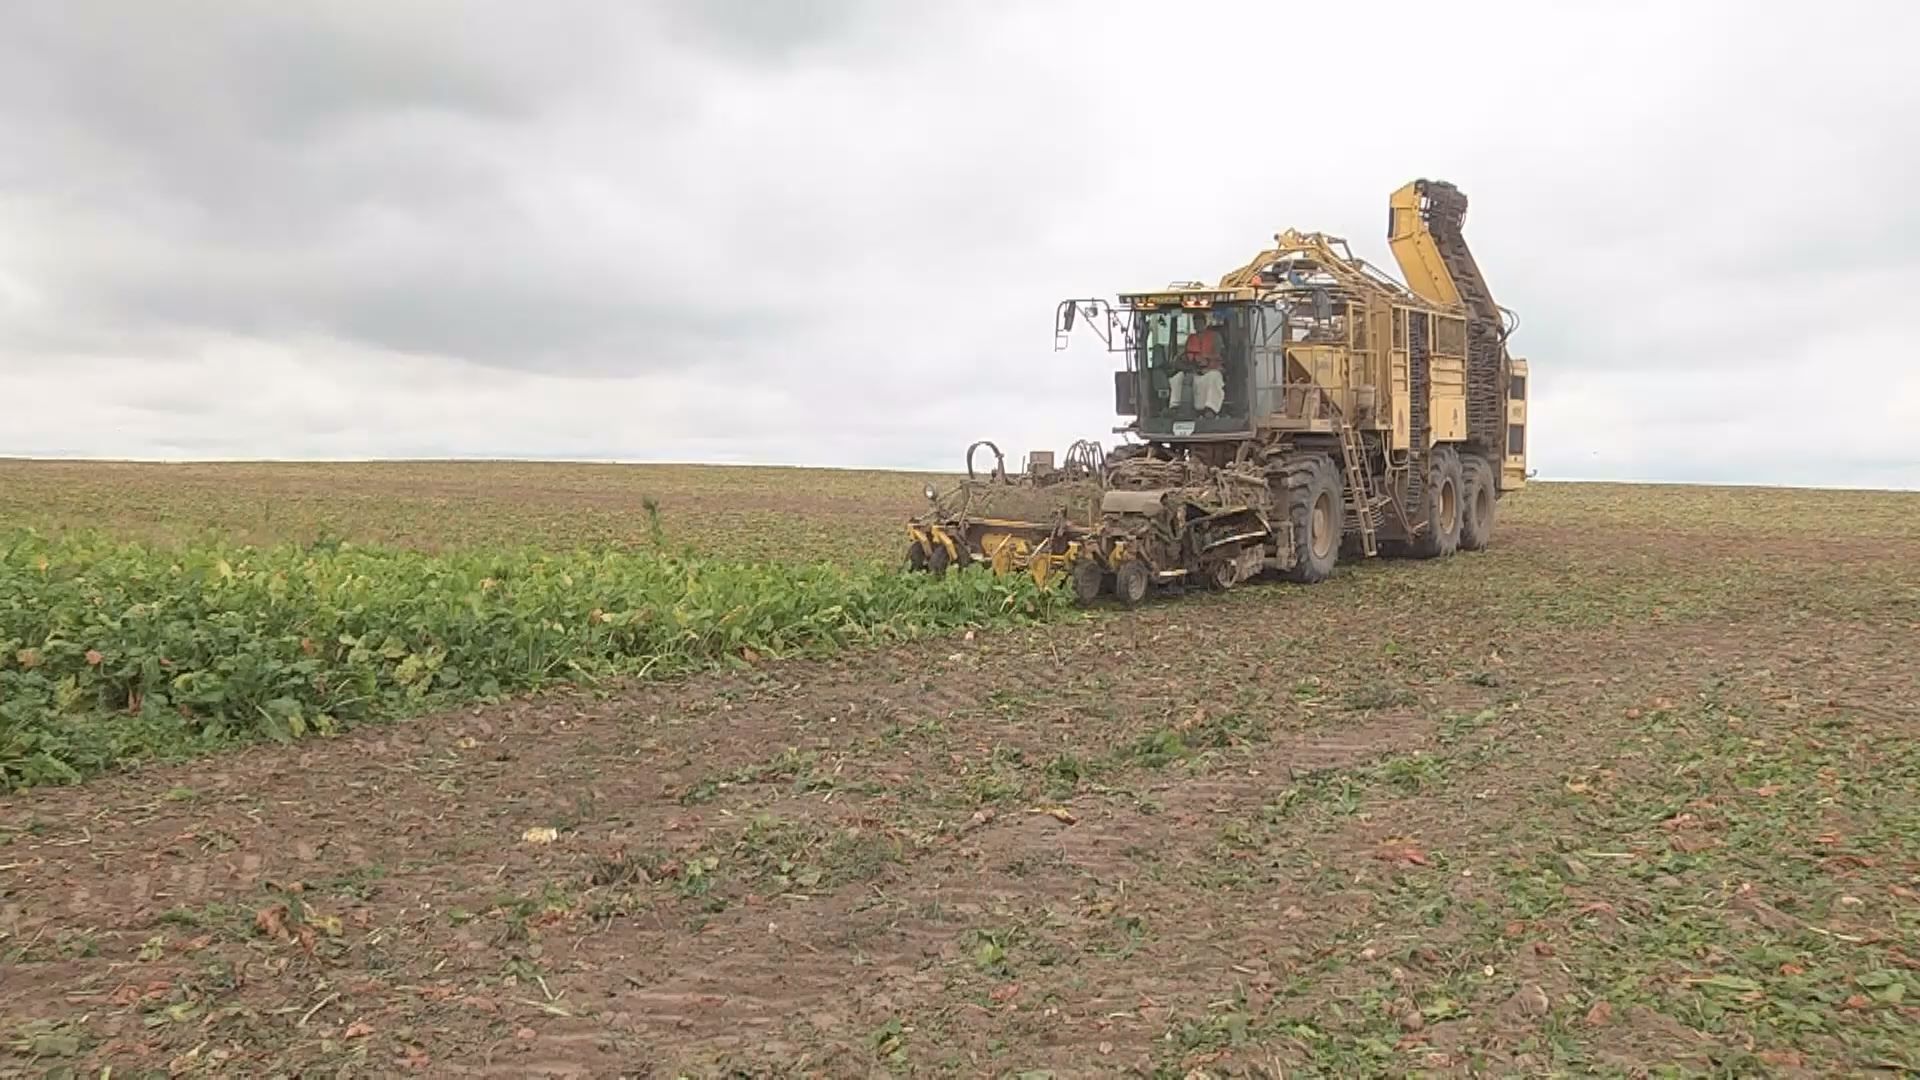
(1281, 831)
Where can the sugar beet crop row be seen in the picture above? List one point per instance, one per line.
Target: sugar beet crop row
(112, 652)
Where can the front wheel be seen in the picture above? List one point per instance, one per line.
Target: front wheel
(1317, 512)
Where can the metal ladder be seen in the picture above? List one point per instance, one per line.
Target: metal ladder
(1364, 501)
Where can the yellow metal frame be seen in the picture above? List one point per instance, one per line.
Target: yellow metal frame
(1415, 251)
(926, 538)
(1004, 550)
(1513, 470)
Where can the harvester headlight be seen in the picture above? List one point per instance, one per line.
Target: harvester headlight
(932, 495)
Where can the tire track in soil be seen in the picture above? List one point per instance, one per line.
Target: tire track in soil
(900, 958)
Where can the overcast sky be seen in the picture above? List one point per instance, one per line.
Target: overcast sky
(834, 231)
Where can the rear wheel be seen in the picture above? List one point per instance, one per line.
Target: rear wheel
(1317, 513)
(1476, 524)
(1130, 582)
(1442, 499)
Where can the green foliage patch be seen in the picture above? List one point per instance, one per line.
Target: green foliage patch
(114, 651)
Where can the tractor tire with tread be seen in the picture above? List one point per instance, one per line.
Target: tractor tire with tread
(1477, 502)
(1441, 497)
(1317, 510)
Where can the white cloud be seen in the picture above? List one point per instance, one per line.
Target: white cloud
(731, 232)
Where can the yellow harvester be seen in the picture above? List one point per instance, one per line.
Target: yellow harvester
(1304, 406)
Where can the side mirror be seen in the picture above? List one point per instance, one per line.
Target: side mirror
(1066, 321)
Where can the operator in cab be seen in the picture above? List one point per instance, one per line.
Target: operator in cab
(1200, 378)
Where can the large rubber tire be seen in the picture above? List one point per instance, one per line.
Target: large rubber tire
(1478, 499)
(1442, 497)
(1318, 513)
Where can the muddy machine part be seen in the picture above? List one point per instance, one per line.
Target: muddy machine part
(1166, 524)
(1028, 522)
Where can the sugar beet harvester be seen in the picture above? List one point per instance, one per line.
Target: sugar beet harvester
(1305, 407)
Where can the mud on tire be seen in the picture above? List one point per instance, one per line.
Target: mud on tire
(1089, 578)
(1441, 504)
(1318, 512)
(1131, 582)
(1477, 501)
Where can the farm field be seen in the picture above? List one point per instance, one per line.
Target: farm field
(1636, 790)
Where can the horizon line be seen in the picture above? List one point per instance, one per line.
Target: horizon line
(160, 462)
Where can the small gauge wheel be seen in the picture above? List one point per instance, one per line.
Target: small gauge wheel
(1130, 582)
(1225, 574)
(1088, 577)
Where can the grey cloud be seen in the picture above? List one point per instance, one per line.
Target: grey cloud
(152, 73)
(382, 175)
(835, 231)
(760, 30)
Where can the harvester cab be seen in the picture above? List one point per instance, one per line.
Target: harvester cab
(1186, 358)
(1304, 408)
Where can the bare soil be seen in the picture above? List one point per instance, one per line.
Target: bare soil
(1595, 800)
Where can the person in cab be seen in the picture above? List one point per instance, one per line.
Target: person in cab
(1200, 379)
